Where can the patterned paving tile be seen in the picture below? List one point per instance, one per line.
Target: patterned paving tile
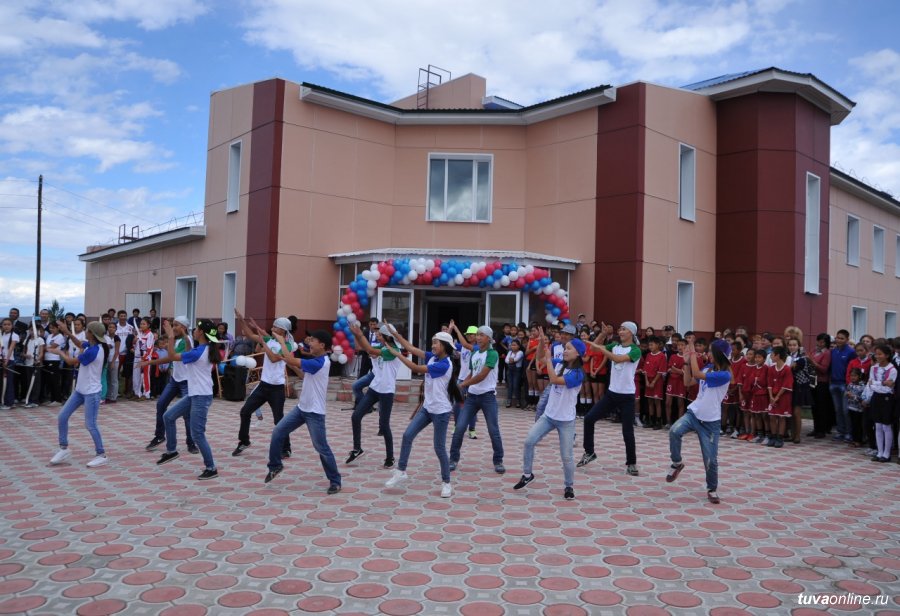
(134, 538)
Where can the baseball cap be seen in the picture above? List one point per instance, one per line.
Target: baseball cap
(209, 329)
(443, 337)
(472, 329)
(184, 322)
(96, 328)
(722, 346)
(569, 329)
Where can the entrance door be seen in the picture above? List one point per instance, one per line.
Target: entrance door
(502, 307)
(396, 307)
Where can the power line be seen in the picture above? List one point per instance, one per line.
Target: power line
(123, 212)
(71, 209)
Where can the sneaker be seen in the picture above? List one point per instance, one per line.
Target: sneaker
(586, 459)
(569, 494)
(748, 437)
(446, 490)
(668, 427)
(472, 435)
(389, 463)
(354, 454)
(674, 471)
(100, 460)
(453, 465)
(333, 489)
(770, 442)
(735, 435)
(765, 441)
(273, 474)
(62, 456)
(31, 405)
(848, 438)
(53, 404)
(638, 422)
(524, 481)
(3, 407)
(499, 468)
(154, 443)
(759, 439)
(193, 449)
(396, 478)
(837, 437)
(240, 449)
(632, 470)
(208, 474)
(876, 458)
(713, 497)
(286, 453)
(167, 457)
(779, 443)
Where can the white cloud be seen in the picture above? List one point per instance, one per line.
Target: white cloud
(153, 15)
(21, 31)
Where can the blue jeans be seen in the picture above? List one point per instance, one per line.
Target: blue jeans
(539, 430)
(360, 384)
(708, 435)
(91, 404)
(418, 423)
(363, 408)
(513, 382)
(542, 403)
(841, 419)
(487, 402)
(315, 423)
(172, 390)
(457, 406)
(198, 408)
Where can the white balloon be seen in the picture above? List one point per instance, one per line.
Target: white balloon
(554, 287)
(342, 359)
(335, 355)
(496, 284)
(546, 290)
(451, 282)
(529, 269)
(406, 278)
(560, 293)
(504, 281)
(351, 318)
(549, 318)
(413, 274)
(514, 275)
(250, 363)
(371, 284)
(459, 278)
(370, 292)
(429, 264)
(420, 268)
(467, 273)
(374, 268)
(240, 360)
(521, 271)
(366, 274)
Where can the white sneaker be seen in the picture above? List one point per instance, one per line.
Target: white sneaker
(62, 456)
(765, 441)
(446, 490)
(98, 461)
(396, 478)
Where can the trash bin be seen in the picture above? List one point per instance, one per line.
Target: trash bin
(234, 383)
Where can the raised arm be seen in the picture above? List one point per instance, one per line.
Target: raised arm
(362, 341)
(64, 330)
(287, 356)
(417, 368)
(405, 343)
(460, 336)
(555, 379)
(246, 327)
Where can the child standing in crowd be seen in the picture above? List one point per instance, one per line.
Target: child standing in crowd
(87, 393)
(745, 394)
(34, 359)
(199, 363)
(655, 367)
(854, 403)
(883, 377)
(56, 343)
(823, 407)
(780, 382)
(531, 373)
(804, 374)
(514, 359)
(731, 412)
(441, 391)
(159, 374)
(310, 409)
(125, 333)
(675, 384)
(112, 368)
(559, 415)
(144, 343)
(759, 397)
(863, 361)
(9, 340)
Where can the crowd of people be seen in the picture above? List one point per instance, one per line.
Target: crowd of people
(749, 388)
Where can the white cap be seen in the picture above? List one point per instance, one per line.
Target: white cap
(182, 320)
(487, 331)
(282, 323)
(443, 337)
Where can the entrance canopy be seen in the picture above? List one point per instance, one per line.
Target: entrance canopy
(497, 273)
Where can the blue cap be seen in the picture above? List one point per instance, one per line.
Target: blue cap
(579, 346)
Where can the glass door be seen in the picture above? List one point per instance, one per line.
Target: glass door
(502, 307)
(396, 307)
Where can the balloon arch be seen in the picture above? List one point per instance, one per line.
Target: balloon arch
(437, 273)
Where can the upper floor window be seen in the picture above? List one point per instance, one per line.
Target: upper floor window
(811, 245)
(459, 187)
(687, 182)
(878, 250)
(852, 241)
(233, 199)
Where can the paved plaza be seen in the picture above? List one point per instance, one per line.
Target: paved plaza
(134, 538)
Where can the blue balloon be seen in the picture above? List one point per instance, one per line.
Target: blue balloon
(444, 278)
(336, 325)
(342, 322)
(555, 311)
(364, 300)
(436, 282)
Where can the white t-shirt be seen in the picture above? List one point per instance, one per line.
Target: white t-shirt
(31, 349)
(478, 360)
(5, 341)
(199, 371)
(122, 333)
(708, 405)
(385, 368)
(464, 356)
(143, 345)
(315, 384)
(179, 372)
(93, 360)
(54, 339)
(770, 360)
(437, 402)
(78, 348)
(621, 374)
(273, 371)
(514, 358)
(562, 399)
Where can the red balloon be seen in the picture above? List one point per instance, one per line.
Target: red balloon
(520, 283)
(340, 335)
(389, 270)
(383, 280)
(345, 298)
(335, 341)
(353, 296)
(529, 278)
(425, 278)
(355, 306)
(482, 274)
(436, 272)
(437, 262)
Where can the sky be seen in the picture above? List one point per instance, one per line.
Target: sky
(109, 99)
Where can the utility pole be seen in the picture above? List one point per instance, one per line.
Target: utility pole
(37, 287)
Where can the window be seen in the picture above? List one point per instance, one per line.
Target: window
(811, 248)
(859, 322)
(186, 297)
(234, 177)
(890, 324)
(229, 296)
(684, 307)
(853, 241)
(878, 250)
(459, 187)
(687, 183)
